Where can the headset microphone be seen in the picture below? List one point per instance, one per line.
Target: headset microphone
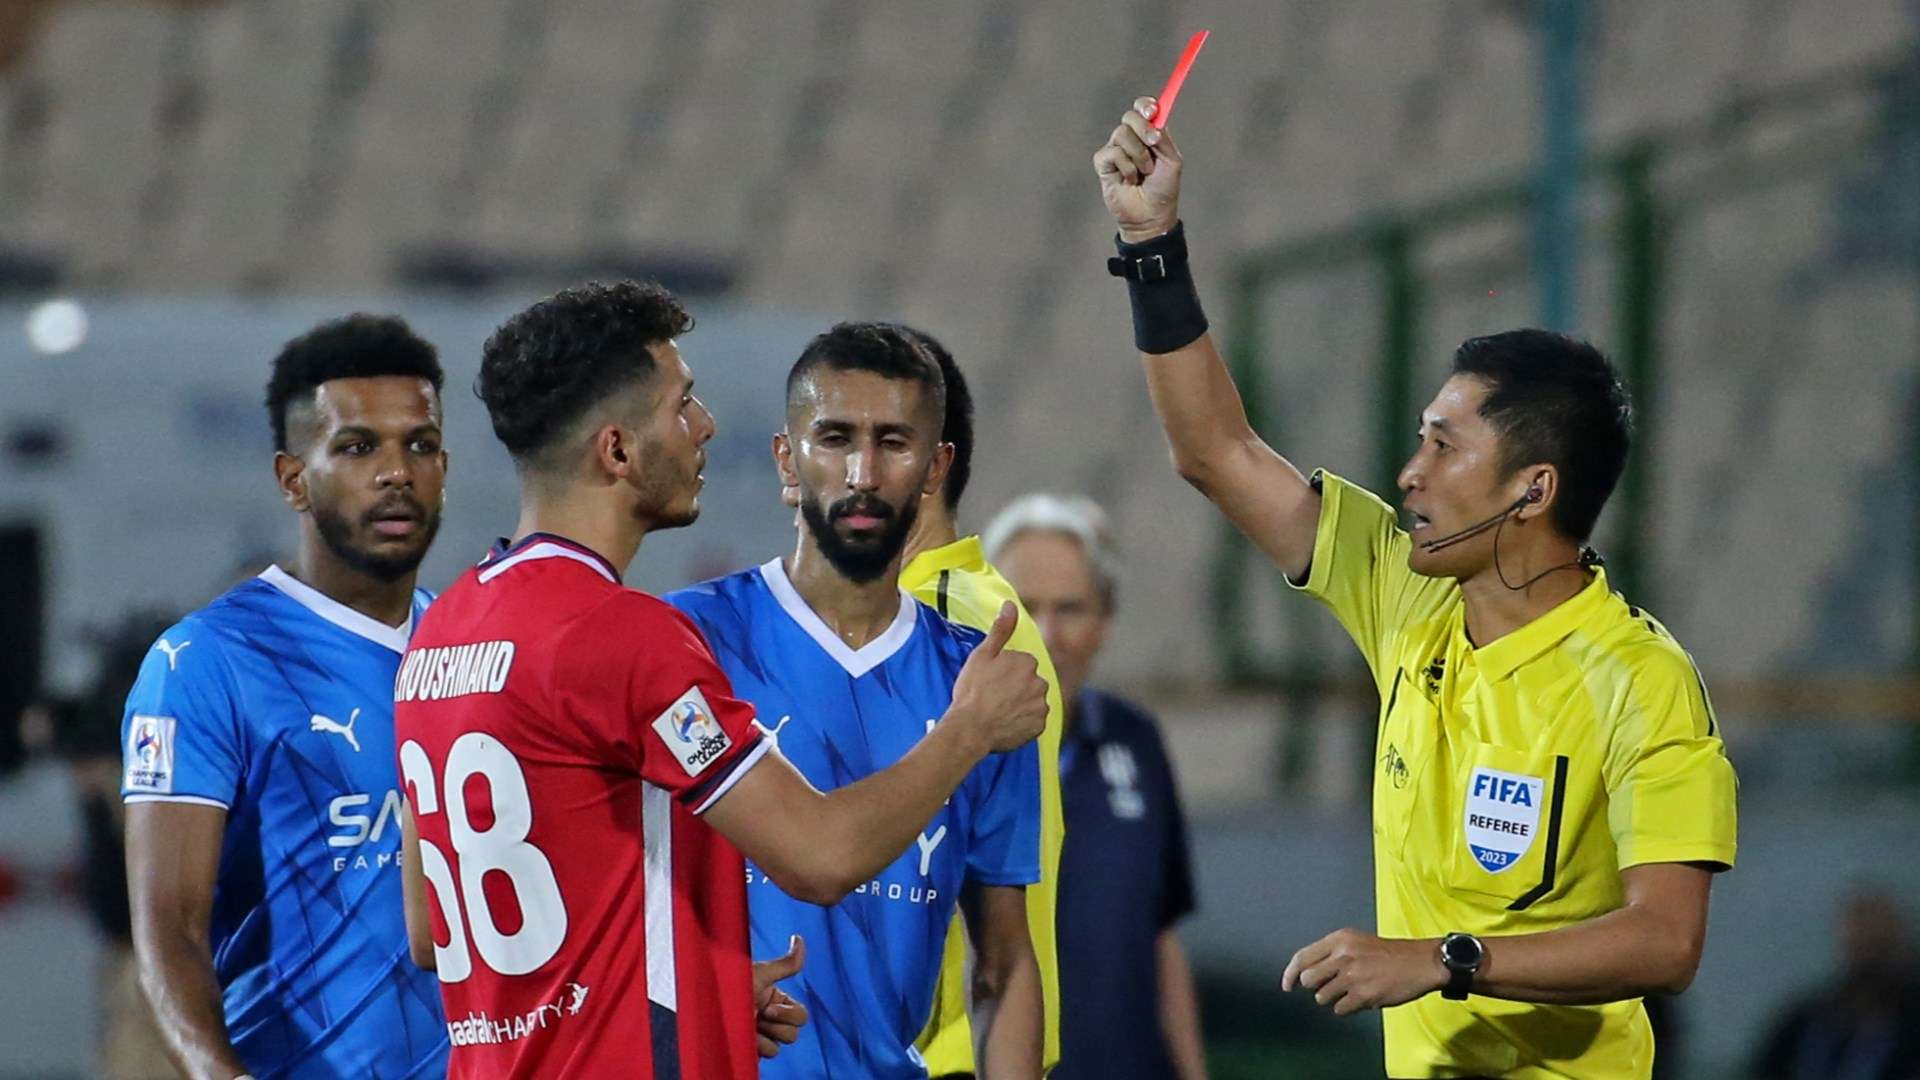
(1533, 495)
(1588, 559)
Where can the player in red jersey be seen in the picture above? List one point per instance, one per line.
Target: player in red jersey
(578, 769)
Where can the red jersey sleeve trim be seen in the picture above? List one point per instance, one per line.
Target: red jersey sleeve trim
(703, 795)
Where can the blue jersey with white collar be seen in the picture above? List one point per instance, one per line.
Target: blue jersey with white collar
(275, 702)
(839, 715)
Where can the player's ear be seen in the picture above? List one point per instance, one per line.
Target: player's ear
(783, 464)
(937, 472)
(614, 450)
(290, 474)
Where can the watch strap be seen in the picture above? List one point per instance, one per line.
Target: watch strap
(1459, 982)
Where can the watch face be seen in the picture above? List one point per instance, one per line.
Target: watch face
(1460, 950)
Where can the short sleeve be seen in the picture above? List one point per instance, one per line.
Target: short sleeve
(675, 717)
(1004, 848)
(1671, 790)
(181, 739)
(1360, 571)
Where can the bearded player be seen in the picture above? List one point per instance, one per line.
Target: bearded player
(262, 801)
(848, 671)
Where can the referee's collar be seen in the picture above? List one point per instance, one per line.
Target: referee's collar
(963, 554)
(1499, 659)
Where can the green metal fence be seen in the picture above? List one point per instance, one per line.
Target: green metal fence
(1640, 199)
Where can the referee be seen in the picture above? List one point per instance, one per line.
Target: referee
(1551, 798)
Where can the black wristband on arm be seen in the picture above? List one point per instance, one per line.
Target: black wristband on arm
(1166, 306)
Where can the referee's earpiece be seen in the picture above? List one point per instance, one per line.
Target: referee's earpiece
(1534, 494)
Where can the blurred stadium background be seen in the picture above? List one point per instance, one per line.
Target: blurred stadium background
(1725, 194)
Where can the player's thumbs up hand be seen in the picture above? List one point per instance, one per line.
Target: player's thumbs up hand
(1001, 691)
(768, 972)
(1139, 170)
(1001, 631)
(778, 1016)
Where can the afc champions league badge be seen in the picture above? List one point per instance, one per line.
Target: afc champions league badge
(149, 754)
(1502, 816)
(691, 733)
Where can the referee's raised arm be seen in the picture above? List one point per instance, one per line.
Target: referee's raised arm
(1214, 448)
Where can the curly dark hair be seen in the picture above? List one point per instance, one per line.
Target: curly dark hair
(885, 349)
(355, 347)
(1555, 399)
(958, 428)
(547, 365)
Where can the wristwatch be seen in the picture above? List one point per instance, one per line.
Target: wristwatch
(1462, 955)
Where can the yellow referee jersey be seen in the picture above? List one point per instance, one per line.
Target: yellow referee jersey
(1513, 782)
(960, 584)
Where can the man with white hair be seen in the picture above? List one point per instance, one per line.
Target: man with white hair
(1125, 878)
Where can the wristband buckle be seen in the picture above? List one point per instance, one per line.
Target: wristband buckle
(1146, 268)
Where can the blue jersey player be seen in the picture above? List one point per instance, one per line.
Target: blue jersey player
(263, 811)
(846, 672)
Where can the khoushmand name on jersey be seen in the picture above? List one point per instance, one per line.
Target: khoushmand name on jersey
(452, 670)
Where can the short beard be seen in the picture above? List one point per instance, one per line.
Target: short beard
(337, 534)
(861, 563)
(656, 492)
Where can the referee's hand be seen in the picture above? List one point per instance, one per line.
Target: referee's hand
(1353, 970)
(1139, 171)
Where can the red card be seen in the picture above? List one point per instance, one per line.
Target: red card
(1168, 96)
